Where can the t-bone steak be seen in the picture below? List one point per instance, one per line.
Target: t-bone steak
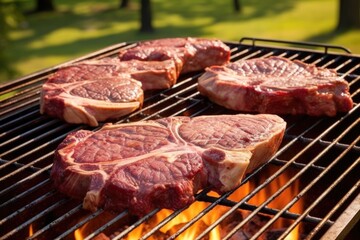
(91, 101)
(95, 91)
(152, 74)
(162, 163)
(190, 54)
(276, 85)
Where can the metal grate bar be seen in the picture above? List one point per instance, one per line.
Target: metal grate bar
(23, 194)
(29, 221)
(54, 140)
(266, 210)
(26, 166)
(57, 139)
(19, 106)
(306, 189)
(250, 195)
(348, 72)
(14, 121)
(252, 214)
(25, 134)
(20, 115)
(172, 216)
(323, 195)
(101, 229)
(348, 215)
(24, 180)
(55, 222)
(79, 224)
(309, 44)
(32, 92)
(281, 170)
(21, 210)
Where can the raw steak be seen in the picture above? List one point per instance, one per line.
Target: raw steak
(152, 74)
(190, 54)
(162, 163)
(90, 101)
(276, 85)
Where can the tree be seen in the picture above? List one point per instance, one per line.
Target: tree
(237, 5)
(349, 14)
(124, 3)
(44, 6)
(146, 16)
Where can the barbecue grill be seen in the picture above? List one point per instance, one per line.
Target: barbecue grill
(315, 172)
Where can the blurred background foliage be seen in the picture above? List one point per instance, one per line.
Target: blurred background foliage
(36, 34)
(10, 18)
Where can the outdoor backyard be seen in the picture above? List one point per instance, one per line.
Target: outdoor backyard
(75, 28)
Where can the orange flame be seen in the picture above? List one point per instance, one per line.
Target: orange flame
(207, 219)
(278, 203)
(78, 234)
(176, 223)
(31, 230)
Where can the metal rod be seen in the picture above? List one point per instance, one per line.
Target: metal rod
(266, 182)
(265, 210)
(21, 210)
(55, 222)
(346, 221)
(79, 224)
(54, 140)
(250, 195)
(15, 121)
(136, 224)
(13, 114)
(27, 192)
(271, 198)
(26, 166)
(33, 82)
(28, 222)
(309, 44)
(24, 180)
(31, 92)
(171, 217)
(307, 188)
(27, 133)
(17, 107)
(109, 223)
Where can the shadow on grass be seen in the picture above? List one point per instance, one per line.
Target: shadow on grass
(329, 36)
(44, 24)
(223, 10)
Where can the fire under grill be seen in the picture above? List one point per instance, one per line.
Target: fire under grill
(308, 190)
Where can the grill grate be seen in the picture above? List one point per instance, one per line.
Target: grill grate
(320, 155)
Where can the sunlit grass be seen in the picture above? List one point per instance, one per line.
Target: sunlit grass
(80, 27)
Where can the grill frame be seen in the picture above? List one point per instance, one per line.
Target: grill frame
(43, 134)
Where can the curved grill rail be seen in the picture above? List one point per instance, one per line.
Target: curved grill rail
(320, 155)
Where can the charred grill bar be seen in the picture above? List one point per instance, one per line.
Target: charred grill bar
(319, 159)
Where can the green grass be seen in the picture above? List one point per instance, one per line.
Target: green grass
(80, 27)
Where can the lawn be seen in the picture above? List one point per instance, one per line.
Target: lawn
(80, 27)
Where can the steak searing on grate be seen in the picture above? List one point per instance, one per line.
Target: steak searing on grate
(91, 101)
(101, 90)
(61, 96)
(190, 54)
(162, 163)
(152, 74)
(276, 85)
